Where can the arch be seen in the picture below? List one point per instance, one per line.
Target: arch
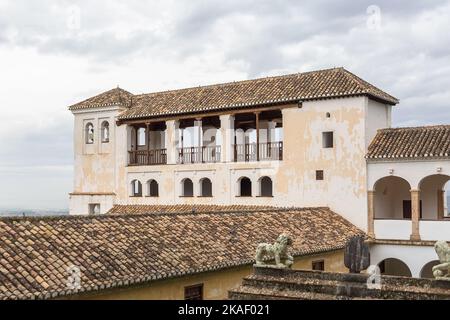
(205, 187)
(394, 267)
(265, 187)
(392, 199)
(244, 187)
(433, 197)
(136, 188)
(426, 271)
(152, 188)
(187, 188)
(89, 133)
(105, 132)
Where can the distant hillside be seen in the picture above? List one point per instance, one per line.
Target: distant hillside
(31, 213)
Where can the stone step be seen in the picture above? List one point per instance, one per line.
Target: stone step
(350, 289)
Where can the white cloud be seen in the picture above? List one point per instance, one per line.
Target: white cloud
(50, 58)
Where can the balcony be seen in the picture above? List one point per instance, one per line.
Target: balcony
(199, 155)
(258, 152)
(147, 157)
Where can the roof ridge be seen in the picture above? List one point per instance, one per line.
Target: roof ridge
(425, 127)
(239, 82)
(131, 216)
(118, 89)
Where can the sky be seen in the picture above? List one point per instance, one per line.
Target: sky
(56, 53)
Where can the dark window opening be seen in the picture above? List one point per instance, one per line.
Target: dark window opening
(319, 175)
(188, 188)
(327, 139)
(193, 292)
(245, 185)
(136, 188)
(266, 187)
(153, 189)
(407, 209)
(206, 188)
(94, 208)
(318, 265)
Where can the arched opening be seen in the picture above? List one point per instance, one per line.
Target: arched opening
(205, 188)
(153, 188)
(427, 270)
(136, 188)
(392, 198)
(105, 132)
(245, 187)
(394, 267)
(265, 187)
(89, 133)
(187, 188)
(433, 197)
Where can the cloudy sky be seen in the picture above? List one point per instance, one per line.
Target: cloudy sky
(55, 53)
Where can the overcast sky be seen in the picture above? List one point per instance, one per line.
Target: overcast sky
(56, 53)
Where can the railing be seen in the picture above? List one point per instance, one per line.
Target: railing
(267, 151)
(199, 155)
(148, 157)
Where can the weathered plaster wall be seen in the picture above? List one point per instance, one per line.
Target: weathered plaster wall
(215, 284)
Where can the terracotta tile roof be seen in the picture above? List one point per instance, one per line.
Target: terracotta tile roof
(408, 143)
(112, 97)
(116, 251)
(183, 208)
(322, 84)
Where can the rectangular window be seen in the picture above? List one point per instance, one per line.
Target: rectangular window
(319, 175)
(407, 209)
(327, 139)
(94, 208)
(194, 292)
(318, 265)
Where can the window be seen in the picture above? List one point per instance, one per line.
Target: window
(205, 188)
(245, 187)
(136, 188)
(105, 132)
(94, 208)
(193, 292)
(318, 265)
(319, 175)
(328, 115)
(407, 209)
(153, 188)
(141, 137)
(89, 133)
(327, 139)
(188, 188)
(266, 187)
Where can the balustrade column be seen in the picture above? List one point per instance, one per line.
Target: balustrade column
(415, 215)
(171, 141)
(227, 133)
(371, 213)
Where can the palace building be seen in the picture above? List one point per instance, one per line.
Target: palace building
(314, 139)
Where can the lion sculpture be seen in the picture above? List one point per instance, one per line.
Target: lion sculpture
(442, 270)
(276, 251)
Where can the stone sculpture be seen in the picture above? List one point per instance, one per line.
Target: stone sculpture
(277, 251)
(442, 270)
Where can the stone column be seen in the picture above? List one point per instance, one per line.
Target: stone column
(171, 140)
(415, 214)
(227, 133)
(371, 213)
(199, 131)
(440, 204)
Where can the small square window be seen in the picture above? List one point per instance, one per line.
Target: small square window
(327, 139)
(94, 208)
(319, 175)
(194, 292)
(318, 265)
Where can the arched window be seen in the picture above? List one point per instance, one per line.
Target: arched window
(187, 188)
(245, 187)
(105, 132)
(136, 188)
(205, 188)
(153, 188)
(89, 133)
(265, 187)
(141, 137)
